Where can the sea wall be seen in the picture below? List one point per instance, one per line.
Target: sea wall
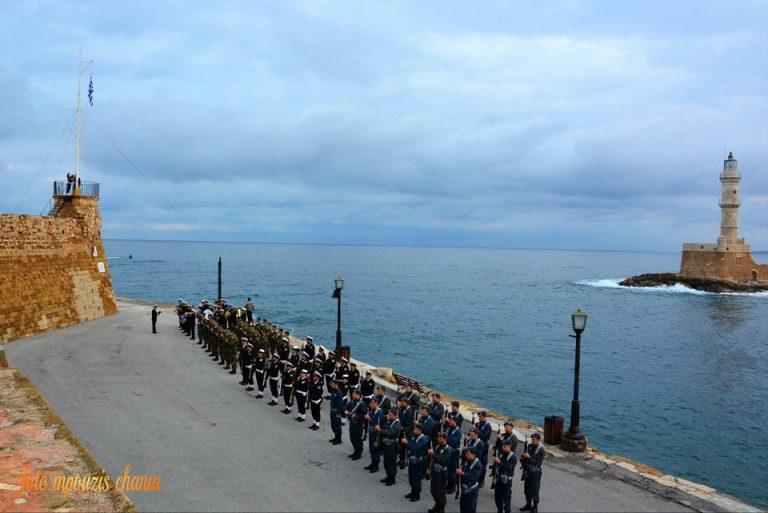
(703, 261)
(53, 269)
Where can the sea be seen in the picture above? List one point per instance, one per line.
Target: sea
(670, 377)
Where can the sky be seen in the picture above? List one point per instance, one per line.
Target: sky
(561, 124)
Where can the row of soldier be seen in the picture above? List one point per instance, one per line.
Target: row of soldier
(427, 439)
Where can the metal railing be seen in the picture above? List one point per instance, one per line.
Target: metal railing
(82, 189)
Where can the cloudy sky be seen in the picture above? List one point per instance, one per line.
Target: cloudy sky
(570, 124)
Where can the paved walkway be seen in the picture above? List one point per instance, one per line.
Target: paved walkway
(158, 403)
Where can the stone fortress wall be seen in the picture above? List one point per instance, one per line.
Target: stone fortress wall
(53, 269)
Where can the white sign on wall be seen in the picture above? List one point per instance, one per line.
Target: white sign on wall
(101, 267)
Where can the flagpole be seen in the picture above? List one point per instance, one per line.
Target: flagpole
(80, 63)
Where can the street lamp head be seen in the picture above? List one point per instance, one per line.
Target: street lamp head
(339, 282)
(579, 319)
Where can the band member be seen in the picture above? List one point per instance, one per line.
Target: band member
(337, 405)
(504, 463)
(259, 372)
(355, 412)
(440, 458)
(374, 417)
(273, 374)
(286, 382)
(301, 392)
(316, 399)
(417, 451)
(389, 434)
(469, 475)
(531, 460)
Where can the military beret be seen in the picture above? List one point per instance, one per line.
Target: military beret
(536, 435)
(436, 394)
(455, 403)
(470, 449)
(356, 391)
(380, 387)
(472, 430)
(482, 413)
(508, 424)
(507, 441)
(375, 399)
(443, 434)
(417, 426)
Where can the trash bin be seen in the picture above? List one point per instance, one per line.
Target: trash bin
(553, 430)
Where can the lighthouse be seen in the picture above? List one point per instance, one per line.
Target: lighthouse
(729, 203)
(730, 258)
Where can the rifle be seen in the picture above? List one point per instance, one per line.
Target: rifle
(524, 461)
(495, 466)
(461, 459)
(429, 468)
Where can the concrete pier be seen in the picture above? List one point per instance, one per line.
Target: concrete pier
(159, 404)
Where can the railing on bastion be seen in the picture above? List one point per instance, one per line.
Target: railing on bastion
(68, 189)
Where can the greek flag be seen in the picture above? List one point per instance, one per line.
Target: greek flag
(90, 92)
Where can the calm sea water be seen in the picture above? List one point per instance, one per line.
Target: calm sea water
(672, 378)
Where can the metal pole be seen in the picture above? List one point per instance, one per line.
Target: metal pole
(574, 429)
(77, 144)
(219, 278)
(338, 324)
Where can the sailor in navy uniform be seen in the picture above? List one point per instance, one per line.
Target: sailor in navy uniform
(411, 396)
(337, 405)
(417, 452)
(427, 424)
(440, 456)
(484, 430)
(477, 445)
(389, 434)
(456, 414)
(309, 347)
(287, 386)
(247, 366)
(508, 434)
(454, 441)
(367, 386)
(532, 460)
(505, 469)
(407, 415)
(436, 411)
(273, 374)
(259, 371)
(316, 399)
(354, 375)
(469, 474)
(355, 411)
(384, 402)
(301, 389)
(374, 417)
(329, 370)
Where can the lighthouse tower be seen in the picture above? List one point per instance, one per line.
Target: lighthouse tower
(729, 204)
(730, 258)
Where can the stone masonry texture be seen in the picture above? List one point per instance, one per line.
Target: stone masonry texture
(53, 269)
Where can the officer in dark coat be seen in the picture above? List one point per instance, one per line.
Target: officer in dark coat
(436, 411)
(469, 475)
(411, 397)
(505, 463)
(532, 460)
(427, 424)
(155, 313)
(367, 386)
(384, 402)
(389, 434)
(329, 371)
(316, 399)
(354, 375)
(454, 441)
(417, 452)
(337, 403)
(440, 457)
(355, 411)
(309, 347)
(407, 416)
(259, 372)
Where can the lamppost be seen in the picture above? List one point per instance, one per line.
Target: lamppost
(574, 440)
(339, 282)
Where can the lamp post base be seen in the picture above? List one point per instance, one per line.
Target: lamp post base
(574, 442)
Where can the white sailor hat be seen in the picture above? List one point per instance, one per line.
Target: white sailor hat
(368, 372)
(304, 371)
(261, 351)
(295, 348)
(287, 363)
(344, 359)
(304, 353)
(285, 339)
(310, 339)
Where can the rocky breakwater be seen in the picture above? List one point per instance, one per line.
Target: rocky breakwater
(704, 284)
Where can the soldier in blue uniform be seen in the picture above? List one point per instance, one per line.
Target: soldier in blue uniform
(337, 403)
(437, 412)
(389, 434)
(469, 474)
(455, 414)
(478, 446)
(417, 452)
(411, 397)
(454, 441)
(384, 402)
(505, 463)
(374, 417)
(407, 416)
(355, 411)
(532, 460)
(484, 430)
(509, 434)
(427, 424)
(440, 458)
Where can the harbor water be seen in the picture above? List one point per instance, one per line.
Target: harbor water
(673, 378)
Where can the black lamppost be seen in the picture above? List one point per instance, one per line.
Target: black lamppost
(339, 282)
(574, 440)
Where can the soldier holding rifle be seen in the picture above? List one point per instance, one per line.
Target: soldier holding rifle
(417, 451)
(389, 434)
(355, 412)
(469, 484)
(504, 466)
(374, 417)
(531, 460)
(440, 456)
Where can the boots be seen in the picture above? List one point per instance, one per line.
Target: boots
(374, 468)
(415, 497)
(535, 507)
(527, 506)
